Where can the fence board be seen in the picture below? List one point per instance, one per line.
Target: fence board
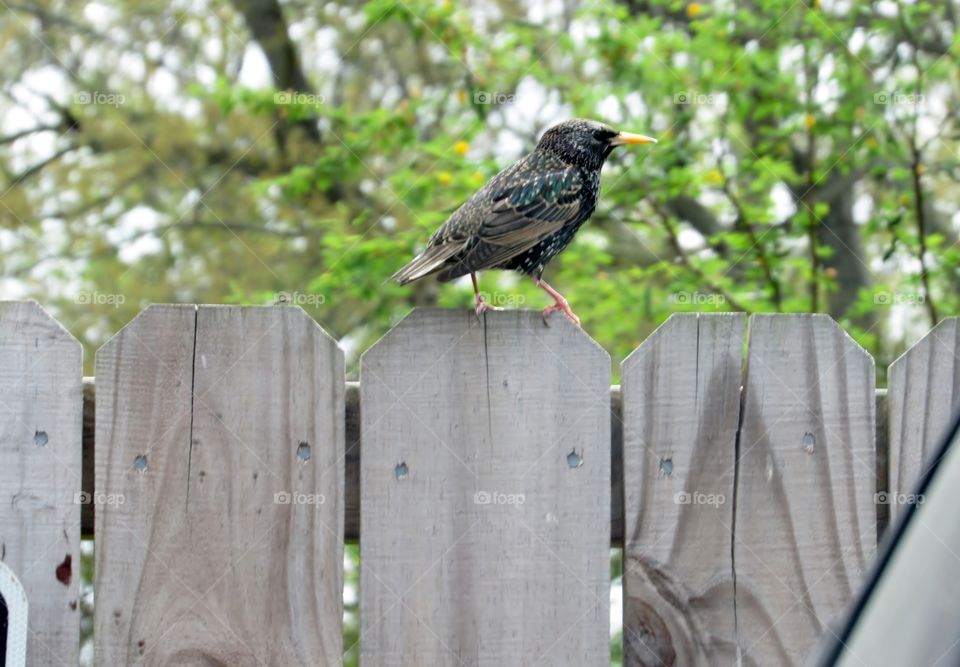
(351, 520)
(681, 405)
(40, 420)
(198, 558)
(805, 514)
(924, 392)
(455, 408)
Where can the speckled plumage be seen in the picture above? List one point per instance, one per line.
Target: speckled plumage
(528, 213)
(525, 215)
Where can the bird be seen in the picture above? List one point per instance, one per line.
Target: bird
(525, 215)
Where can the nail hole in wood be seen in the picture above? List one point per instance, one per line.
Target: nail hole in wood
(303, 452)
(666, 466)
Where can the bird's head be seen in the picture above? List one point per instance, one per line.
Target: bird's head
(586, 143)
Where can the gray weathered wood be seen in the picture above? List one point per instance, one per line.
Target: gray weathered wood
(201, 556)
(681, 405)
(924, 392)
(351, 520)
(351, 525)
(485, 488)
(805, 515)
(40, 411)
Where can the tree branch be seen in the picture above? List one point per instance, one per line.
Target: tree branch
(916, 166)
(690, 266)
(265, 20)
(10, 138)
(30, 171)
(762, 257)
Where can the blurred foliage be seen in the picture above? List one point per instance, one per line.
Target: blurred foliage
(351, 606)
(808, 158)
(172, 152)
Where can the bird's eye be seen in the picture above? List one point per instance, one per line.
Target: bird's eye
(602, 135)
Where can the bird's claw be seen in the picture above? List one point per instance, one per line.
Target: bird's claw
(563, 307)
(483, 306)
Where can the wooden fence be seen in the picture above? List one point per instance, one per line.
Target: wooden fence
(224, 469)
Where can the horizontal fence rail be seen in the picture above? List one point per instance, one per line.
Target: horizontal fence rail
(746, 466)
(353, 453)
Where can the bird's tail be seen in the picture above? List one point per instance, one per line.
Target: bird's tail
(431, 260)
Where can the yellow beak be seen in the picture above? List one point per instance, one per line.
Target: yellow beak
(630, 138)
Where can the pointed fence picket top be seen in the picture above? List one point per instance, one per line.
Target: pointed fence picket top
(749, 513)
(923, 394)
(806, 482)
(681, 405)
(485, 492)
(41, 406)
(219, 475)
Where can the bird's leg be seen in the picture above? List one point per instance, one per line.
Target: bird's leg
(560, 303)
(482, 306)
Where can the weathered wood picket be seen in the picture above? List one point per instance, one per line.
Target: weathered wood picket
(212, 424)
(40, 474)
(228, 473)
(485, 493)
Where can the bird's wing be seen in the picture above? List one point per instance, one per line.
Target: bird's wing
(522, 209)
(522, 215)
(533, 209)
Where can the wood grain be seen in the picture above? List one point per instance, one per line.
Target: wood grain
(681, 405)
(224, 545)
(485, 493)
(923, 395)
(805, 514)
(351, 520)
(41, 367)
(351, 526)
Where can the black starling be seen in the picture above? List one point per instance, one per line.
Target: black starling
(527, 214)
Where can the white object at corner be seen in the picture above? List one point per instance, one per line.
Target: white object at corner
(16, 600)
